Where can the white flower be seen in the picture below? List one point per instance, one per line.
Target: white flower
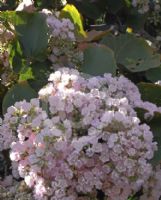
(29, 180)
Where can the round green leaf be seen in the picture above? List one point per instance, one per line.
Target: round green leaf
(32, 34)
(99, 60)
(150, 92)
(132, 52)
(154, 74)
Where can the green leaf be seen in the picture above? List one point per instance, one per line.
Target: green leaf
(40, 71)
(133, 198)
(71, 12)
(150, 92)
(156, 129)
(13, 17)
(32, 35)
(15, 56)
(140, 113)
(132, 52)
(26, 74)
(144, 64)
(99, 60)
(153, 74)
(16, 93)
(32, 32)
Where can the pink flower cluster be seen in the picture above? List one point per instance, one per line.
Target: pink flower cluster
(62, 43)
(6, 136)
(61, 28)
(152, 187)
(89, 138)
